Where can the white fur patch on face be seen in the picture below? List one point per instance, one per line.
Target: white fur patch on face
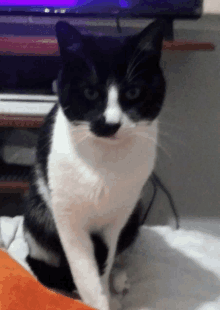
(127, 122)
(113, 112)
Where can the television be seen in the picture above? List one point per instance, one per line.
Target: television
(101, 8)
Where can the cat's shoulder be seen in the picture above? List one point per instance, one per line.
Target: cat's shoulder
(45, 137)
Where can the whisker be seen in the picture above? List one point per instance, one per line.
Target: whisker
(45, 145)
(65, 109)
(134, 129)
(172, 139)
(83, 138)
(132, 67)
(162, 123)
(169, 111)
(136, 54)
(79, 123)
(145, 135)
(130, 78)
(79, 130)
(143, 124)
(162, 148)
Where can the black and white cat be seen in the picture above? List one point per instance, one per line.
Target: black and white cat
(96, 150)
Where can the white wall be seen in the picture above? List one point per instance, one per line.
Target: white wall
(211, 6)
(192, 111)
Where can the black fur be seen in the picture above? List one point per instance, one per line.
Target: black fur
(95, 62)
(53, 277)
(60, 277)
(101, 129)
(44, 141)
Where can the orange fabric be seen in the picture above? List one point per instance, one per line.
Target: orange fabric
(19, 290)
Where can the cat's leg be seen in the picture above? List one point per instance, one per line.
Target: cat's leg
(79, 251)
(129, 233)
(71, 207)
(80, 255)
(119, 281)
(111, 235)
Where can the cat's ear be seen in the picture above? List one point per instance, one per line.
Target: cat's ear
(69, 39)
(151, 38)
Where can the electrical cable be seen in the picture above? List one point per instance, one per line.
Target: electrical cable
(157, 181)
(151, 202)
(118, 24)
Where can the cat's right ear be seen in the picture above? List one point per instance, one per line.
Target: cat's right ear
(69, 39)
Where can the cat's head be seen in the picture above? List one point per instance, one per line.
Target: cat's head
(110, 83)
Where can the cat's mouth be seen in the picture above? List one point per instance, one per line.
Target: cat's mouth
(111, 139)
(117, 138)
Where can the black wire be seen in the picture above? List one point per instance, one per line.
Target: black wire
(118, 24)
(157, 181)
(151, 202)
(165, 190)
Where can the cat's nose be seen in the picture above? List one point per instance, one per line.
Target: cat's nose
(103, 129)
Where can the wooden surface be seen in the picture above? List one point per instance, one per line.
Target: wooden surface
(20, 121)
(47, 46)
(14, 186)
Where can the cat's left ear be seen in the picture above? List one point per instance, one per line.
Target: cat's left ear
(69, 39)
(151, 38)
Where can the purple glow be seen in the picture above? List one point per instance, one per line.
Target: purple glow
(124, 3)
(152, 7)
(53, 3)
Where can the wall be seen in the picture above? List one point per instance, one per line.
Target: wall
(211, 6)
(191, 119)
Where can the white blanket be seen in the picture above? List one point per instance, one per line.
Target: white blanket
(168, 269)
(173, 269)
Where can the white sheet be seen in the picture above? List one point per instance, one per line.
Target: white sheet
(168, 269)
(173, 269)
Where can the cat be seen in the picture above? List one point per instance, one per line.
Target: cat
(96, 150)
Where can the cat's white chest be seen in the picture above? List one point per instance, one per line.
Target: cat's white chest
(96, 182)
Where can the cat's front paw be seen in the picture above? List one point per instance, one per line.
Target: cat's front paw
(115, 304)
(101, 303)
(120, 283)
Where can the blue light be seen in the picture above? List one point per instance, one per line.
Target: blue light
(123, 3)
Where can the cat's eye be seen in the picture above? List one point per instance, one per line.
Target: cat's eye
(133, 93)
(91, 94)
